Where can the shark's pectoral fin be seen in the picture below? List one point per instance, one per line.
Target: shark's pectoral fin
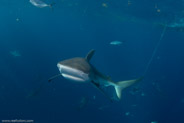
(124, 84)
(89, 55)
(101, 90)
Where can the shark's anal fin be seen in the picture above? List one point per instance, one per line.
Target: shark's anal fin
(89, 55)
(101, 90)
(56, 76)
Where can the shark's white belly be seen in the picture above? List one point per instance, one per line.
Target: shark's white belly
(73, 74)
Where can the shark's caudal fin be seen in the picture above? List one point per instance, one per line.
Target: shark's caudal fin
(124, 84)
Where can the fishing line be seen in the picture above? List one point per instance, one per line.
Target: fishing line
(154, 51)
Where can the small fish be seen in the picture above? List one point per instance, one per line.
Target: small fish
(83, 102)
(177, 25)
(115, 43)
(142, 94)
(154, 122)
(17, 19)
(40, 4)
(15, 53)
(127, 113)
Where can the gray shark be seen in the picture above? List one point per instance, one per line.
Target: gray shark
(81, 70)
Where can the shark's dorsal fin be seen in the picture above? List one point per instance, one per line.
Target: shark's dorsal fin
(89, 55)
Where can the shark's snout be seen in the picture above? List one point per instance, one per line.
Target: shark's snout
(72, 73)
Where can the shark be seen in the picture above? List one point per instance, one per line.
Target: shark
(79, 69)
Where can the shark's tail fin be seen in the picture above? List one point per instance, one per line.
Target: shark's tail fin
(124, 84)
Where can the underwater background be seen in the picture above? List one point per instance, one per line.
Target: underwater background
(33, 40)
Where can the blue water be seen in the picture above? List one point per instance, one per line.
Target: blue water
(44, 36)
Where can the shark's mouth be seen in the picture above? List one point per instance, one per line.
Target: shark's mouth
(72, 74)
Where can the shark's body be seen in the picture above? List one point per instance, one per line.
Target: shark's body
(79, 69)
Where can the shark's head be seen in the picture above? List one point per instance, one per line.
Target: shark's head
(76, 69)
